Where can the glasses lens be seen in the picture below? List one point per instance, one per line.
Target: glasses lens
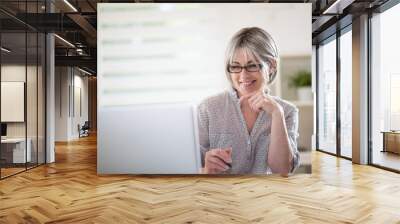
(234, 68)
(252, 68)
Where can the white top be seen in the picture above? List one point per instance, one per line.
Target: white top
(221, 125)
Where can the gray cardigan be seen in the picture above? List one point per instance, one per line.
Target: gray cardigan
(221, 125)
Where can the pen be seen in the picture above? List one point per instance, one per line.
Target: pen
(228, 164)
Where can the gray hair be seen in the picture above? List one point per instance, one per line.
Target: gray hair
(259, 43)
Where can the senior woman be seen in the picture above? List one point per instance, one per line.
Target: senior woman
(245, 130)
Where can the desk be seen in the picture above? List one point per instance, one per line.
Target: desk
(17, 150)
(391, 141)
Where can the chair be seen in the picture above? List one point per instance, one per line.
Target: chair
(84, 130)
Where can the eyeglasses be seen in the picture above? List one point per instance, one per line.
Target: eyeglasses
(248, 68)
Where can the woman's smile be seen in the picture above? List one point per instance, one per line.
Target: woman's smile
(246, 83)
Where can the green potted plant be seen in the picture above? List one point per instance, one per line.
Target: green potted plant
(302, 82)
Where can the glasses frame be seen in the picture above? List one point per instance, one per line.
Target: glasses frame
(259, 67)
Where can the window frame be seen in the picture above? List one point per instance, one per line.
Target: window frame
(334, 37)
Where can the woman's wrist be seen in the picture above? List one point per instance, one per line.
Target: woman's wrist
(272, 107)
(277, 112)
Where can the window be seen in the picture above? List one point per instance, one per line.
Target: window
(327, 96)
(346, 93)
(385, 89)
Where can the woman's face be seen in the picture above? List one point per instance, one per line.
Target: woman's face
(246, 82)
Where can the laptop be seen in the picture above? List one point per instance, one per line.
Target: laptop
(148, 139)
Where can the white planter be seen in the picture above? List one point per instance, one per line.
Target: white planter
(304, 94)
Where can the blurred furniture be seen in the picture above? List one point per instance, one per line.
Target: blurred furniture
(13, 150)
(391, 141)
(306, 125)
(84, 130)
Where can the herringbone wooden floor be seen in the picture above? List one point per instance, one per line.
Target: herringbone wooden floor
(69, 191)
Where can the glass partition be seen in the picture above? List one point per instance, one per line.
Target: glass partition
(13, 91)
(22, 77)
(32, 87)
(327, 96)
(31, 100)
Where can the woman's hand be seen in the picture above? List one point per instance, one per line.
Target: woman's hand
(217, 161)
(260, 101)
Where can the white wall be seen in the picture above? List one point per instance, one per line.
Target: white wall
(175, 52)
(61, 103)
(69, 82)
(79, 117)
(12, 73)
